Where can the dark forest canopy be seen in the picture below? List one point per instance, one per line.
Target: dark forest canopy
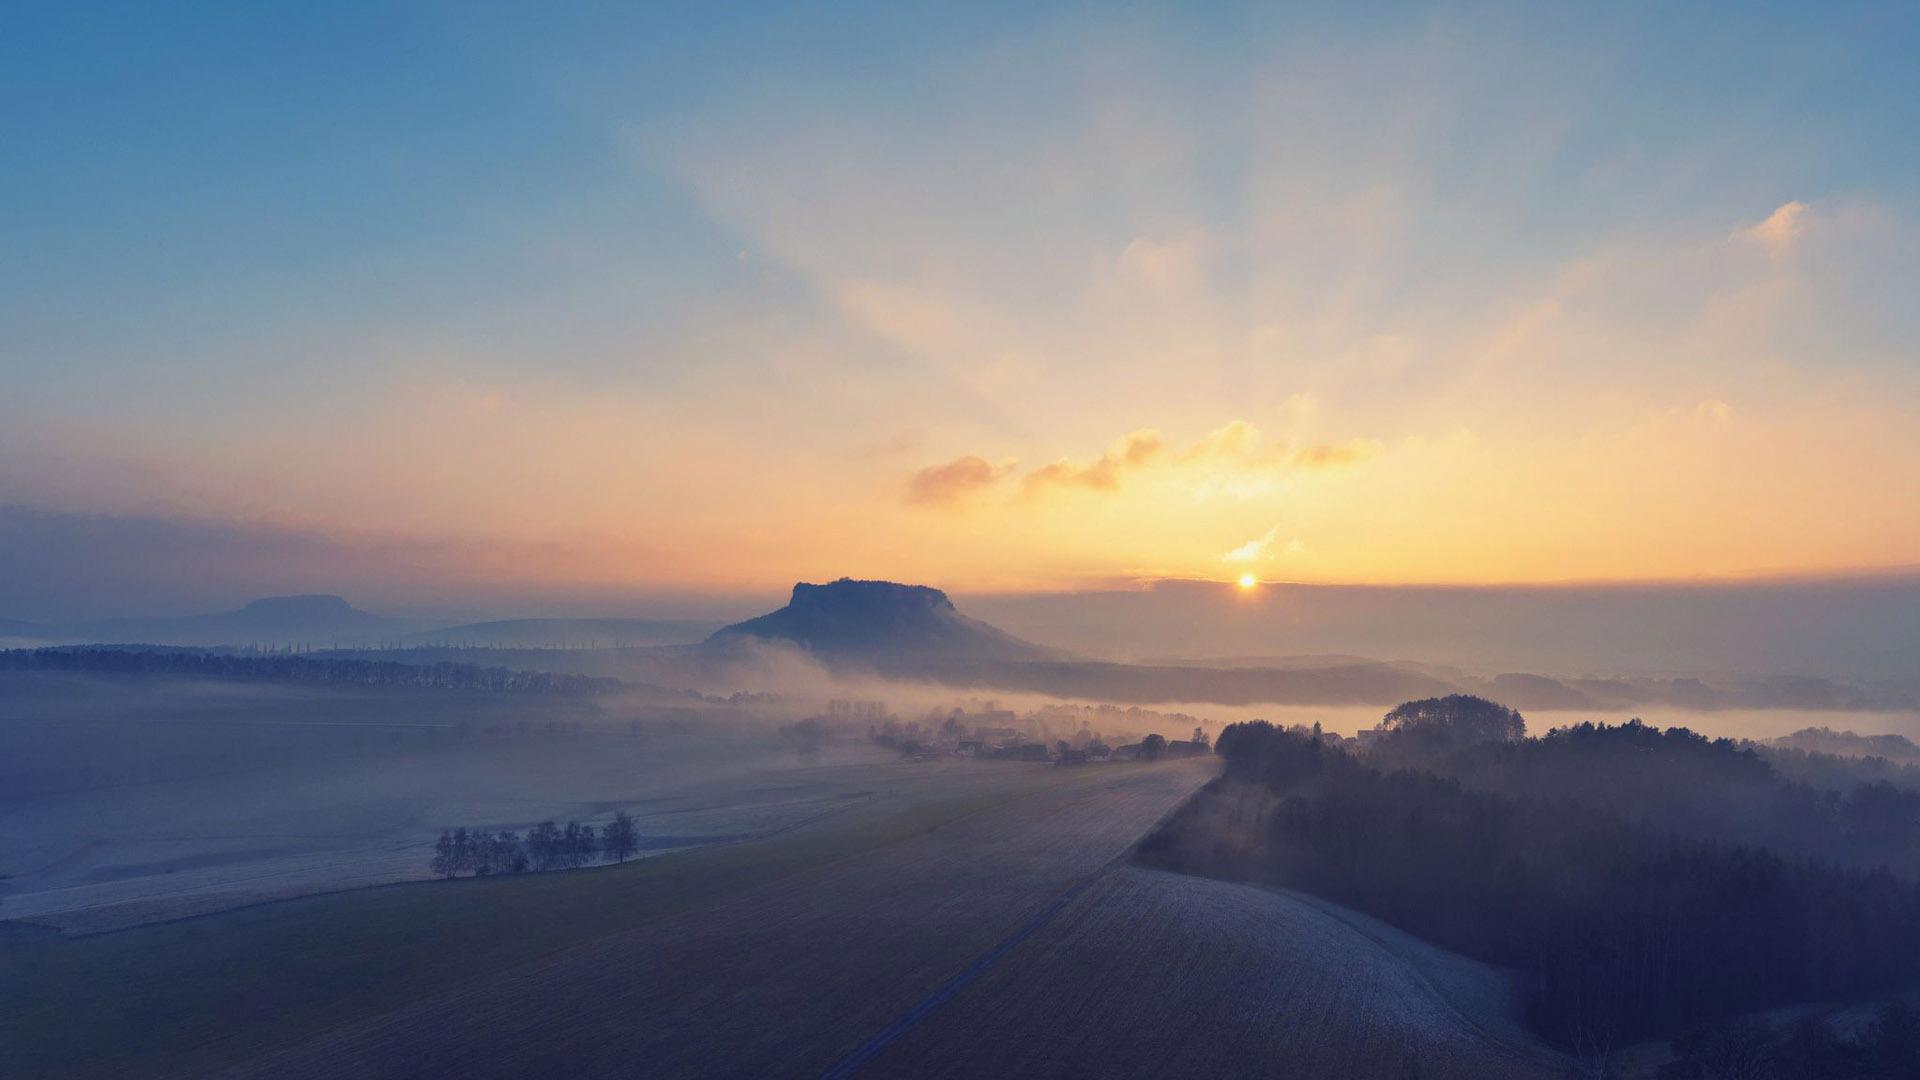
(1602, 862)
(1458, 717)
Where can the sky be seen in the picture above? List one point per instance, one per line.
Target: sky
(403, 300)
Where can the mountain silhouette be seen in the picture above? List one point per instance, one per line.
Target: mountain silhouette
(316, 619)
(881, 624)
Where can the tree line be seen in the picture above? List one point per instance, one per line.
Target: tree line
(1803, 806)
(1885, 1048)
(215, 665)
(1621, 926)
(546, 846)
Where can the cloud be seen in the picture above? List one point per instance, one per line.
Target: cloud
(1261, 547)
(1327, 455)
(1253, 549)
(1714, 409)
(942, 485)
(1236, 438)
(1779, 231)
(891, 446)
(1235, 448)
(1132, 452)
(1240, 442)
(1163, 265)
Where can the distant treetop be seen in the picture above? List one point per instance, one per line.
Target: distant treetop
(1460, 717)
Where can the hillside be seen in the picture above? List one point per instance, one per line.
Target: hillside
(318, 619)
(567, 633)
(968, 921)
(881, 624)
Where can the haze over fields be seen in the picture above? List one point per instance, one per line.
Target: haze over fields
(895, 540)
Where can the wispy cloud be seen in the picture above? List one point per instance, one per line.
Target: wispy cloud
(948, 484)
(1714, 409)
(1781, 229)
(1261, 547)
(1327, 455)
(1252, 550)
(1134, 451)
(1236, 447)
(1236, 438)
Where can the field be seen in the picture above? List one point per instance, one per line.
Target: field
(839, 915)
(141, 800)
(1156, 974)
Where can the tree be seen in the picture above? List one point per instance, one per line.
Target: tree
(618, 840)
(1153, 747)
(462, 850)
(1458, 718)
(486, 853)
(443, 863)
(496, 853)
(1739, 1050)
(1893, 1042)
(514, 854)
(543, 845)
(577, 845)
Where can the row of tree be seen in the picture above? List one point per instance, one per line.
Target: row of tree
(547, 846)
(284, 668)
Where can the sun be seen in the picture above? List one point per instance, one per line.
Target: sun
(1248, 581)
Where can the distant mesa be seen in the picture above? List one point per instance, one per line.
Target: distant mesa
(314, 619)
(881, 623)
(310, 606)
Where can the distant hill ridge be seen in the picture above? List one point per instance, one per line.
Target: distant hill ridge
(881, 622)
(312, 618)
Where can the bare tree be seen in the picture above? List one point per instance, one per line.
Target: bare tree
(512, 855)
(443, 863)
(543, 845)
(462, 851)
(618, 840)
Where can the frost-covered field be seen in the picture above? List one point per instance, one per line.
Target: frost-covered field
(1151, 973)
(786, 979)
(847, 913)
(1010, 943)
(138, 801)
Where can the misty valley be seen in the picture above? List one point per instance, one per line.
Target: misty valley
(269, 860)
(1275, 540)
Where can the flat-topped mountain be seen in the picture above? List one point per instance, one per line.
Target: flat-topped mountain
(881, 622)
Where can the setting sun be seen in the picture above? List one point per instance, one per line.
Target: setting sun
(1248, 581)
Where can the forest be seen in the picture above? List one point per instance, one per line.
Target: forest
(1642, 881)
